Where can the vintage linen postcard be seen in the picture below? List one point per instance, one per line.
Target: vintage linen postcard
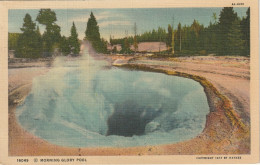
(85, 82)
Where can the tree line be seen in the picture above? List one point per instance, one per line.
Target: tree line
(32, 44)
(157, 35)
(150, 36)
(229, 35)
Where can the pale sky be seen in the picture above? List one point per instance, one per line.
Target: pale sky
(115, 22)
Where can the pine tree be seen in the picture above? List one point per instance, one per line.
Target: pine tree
(46, 17)
(51, 37)
(39, 38)
(12, 40)
(196, 29)
(65, 45)
(73, 39)
(178, 38)
(172, 44)
(111, 41)
(135, 38)
(28, 25)
(92, 31)
(245, 28)
(214, 16)
(28, 44)
(234, 38)
(169, 38)
(125, 46)
(103, 46)
(211, 42)
(135, 43)
(92, 34)
(226, 19)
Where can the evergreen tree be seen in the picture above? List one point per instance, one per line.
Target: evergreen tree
(214, 16)
(135, 38)
(220, 37)
(196, 29)
(151, 36)
(39, 39)
(172, 44)
(226, 19)
(12, 40)
(111, 41)
(102, 46)
(178, 38)
(135, 43)
(92, 34)
(46, 17)
(28, 44)
(210, 38)
(51, 36)
(234, 38)
(65, 46)
(92, 31)
(169, 38)
(245, 28)
(125, 46)
(73, 39)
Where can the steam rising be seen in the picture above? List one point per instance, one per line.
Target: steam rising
(77, 103)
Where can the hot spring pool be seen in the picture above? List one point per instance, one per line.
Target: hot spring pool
(79, 104)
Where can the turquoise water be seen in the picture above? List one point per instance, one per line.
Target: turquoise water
(80, 104)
